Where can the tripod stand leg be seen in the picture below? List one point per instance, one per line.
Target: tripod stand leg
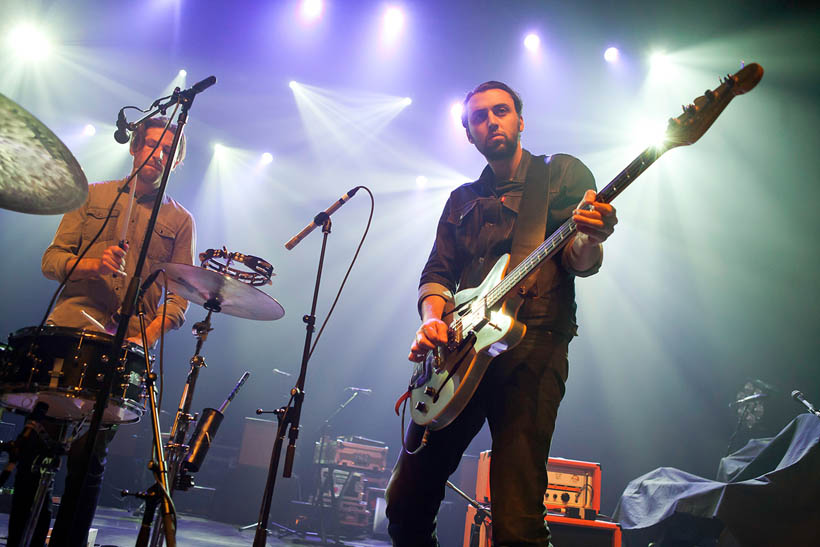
(47, 473)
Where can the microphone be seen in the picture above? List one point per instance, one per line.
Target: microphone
(121, 134)
(238, 385)
(202, 85)
(749, 399)
(362, 390)
(320, 219)
(799, 397)
(198, 87)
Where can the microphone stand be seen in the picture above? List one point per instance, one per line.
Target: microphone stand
(289, 416)
(159, 491)
(70, 501)
(319, 494)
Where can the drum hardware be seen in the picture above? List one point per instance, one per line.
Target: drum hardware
(64, 367)
(35, 439)
(219, 288)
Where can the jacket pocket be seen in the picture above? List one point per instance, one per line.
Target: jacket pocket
(95, 220)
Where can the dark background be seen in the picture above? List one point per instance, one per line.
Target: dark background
(709, 281)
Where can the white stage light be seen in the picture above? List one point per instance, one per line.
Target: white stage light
(421, 181)
(89, 130)
(407, 101)
(311, 10)
(611, 55)
(659, 61)
(292, 84)
(456, 110)
(28, 42)
(183, 72)
(392, 24)
(532, 42)
(266, 158)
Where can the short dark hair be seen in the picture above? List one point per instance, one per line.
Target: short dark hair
(138, 136)
(492, 84)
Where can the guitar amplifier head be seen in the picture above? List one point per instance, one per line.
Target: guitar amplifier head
(574, 486)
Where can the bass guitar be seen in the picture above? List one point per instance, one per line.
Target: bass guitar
(483, 323)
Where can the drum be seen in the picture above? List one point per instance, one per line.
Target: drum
(64, 368)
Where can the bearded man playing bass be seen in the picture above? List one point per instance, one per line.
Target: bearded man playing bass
(522, 388)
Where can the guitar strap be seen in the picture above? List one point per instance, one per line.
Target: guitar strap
(531, 224)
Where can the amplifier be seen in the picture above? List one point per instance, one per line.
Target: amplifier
(349, 454)
(566, 532)
(574, 487)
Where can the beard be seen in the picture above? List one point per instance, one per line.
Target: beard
(500, 150)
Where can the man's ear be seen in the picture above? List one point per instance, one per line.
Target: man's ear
(520, 124)
(469, 137)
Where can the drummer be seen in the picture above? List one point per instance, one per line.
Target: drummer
(93, 294)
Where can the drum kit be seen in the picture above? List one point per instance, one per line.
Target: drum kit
(53, 373)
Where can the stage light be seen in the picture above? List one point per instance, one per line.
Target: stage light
(218, 149)
(29, 42)
(532, 42)
(456, 110)
(392, 24)
(183, 73)
(649, 133)
(421, 181)
(292, 84)
(611, 55)
(266, 158)
(407, 101)
(89, 130)
(311, 10)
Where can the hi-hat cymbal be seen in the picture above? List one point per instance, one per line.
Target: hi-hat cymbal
(221, 292)
(38, 174)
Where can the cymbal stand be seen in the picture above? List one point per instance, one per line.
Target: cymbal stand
(159, 491)
(288, 415)
(176, 447)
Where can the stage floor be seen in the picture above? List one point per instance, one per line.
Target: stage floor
(119, 528)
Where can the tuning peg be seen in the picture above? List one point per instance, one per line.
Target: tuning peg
(709, 94)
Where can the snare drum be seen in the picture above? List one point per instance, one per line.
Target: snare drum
(64, 368)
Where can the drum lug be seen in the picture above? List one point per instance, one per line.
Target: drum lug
(104, 358)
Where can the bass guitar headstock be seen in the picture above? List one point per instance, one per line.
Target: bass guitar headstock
(698, 116)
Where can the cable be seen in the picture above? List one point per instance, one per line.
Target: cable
(349, 269)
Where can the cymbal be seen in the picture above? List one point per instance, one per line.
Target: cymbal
(221, 292)
(38, 174)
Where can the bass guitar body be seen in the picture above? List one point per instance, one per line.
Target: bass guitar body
(443, 384)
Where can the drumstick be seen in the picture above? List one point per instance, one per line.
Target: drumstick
(124, 229)
(96, 323)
